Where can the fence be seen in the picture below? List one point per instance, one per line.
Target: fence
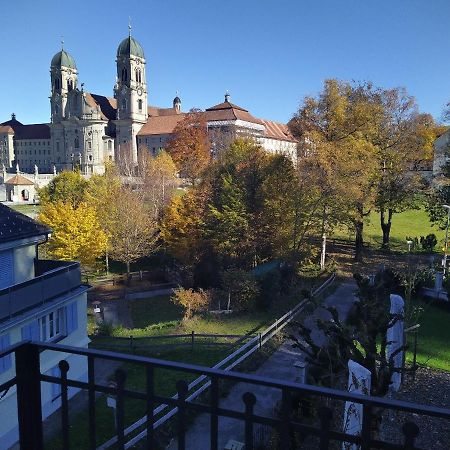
(190, 339)
(202, 383)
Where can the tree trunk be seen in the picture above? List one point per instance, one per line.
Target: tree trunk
(386, 227)
(107, 262)
(359, 241)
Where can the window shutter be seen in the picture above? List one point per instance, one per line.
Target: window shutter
(30, 332)
(72, 317)
(6, 268)
(5, 362)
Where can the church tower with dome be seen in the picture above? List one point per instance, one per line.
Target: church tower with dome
(64, 79)
(131, 94)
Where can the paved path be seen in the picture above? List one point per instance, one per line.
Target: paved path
(279, 366)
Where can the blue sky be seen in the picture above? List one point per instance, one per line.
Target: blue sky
(268, 53)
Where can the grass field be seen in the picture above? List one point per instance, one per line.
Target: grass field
(414, 223)
(433, 338)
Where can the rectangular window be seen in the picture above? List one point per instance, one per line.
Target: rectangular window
(52, 326)
(6, 268)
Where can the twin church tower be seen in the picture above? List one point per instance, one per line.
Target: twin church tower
(88, 128)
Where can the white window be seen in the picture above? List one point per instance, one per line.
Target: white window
(52, 325)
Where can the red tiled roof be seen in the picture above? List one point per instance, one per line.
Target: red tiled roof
(157, 111)
(161, 124)
(19, 180)
(6, 129)
(276, 130)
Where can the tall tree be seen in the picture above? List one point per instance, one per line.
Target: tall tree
(102, 193)
(404, 141)
(333, 130)
(76, 234)
(190, 146)
(134, 232)
(159, 180)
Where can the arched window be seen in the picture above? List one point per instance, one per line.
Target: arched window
(57, 83)
(77, 142)
(124, 104)
(69, 85)
(124, 74)
(56, 109)
(138, 75)
(140, 105)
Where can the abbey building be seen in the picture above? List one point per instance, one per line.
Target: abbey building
(87, 130)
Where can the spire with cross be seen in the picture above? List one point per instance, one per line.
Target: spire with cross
(129, 26)
(62, 42)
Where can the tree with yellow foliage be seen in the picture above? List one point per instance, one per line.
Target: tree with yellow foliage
(76, 232)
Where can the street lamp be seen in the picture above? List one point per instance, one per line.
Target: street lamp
(444, 261)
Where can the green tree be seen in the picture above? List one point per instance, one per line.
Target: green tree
(333, 131)
(76, 232)
(68, 187)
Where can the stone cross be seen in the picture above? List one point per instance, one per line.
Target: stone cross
(395, 339)
(359, 379)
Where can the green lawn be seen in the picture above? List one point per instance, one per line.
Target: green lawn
(433, 338)
(414, 223)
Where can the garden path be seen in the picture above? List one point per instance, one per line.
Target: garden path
(279, 366)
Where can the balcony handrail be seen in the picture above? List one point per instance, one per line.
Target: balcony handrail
(10, 309)
(29, 376)
(236, 377)
(65, 267)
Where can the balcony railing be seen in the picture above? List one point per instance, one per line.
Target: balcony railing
(318, 425)
(53, 279)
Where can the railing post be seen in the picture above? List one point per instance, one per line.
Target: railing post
(64, 368)
(411, 431)
(91, 399)
(249, 401)
(325, 416)
(149, 406)
(120, 376)
(192, 339)
(182, 389)
(214, 425)
(29, 410)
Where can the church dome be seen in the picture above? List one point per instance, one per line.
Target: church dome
(130, 47)
(63, 58)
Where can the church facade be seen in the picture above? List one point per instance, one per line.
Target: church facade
(87, 130)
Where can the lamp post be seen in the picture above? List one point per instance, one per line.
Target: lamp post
(444, 261)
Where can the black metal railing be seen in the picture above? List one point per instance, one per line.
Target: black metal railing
(53, 279)
(287, 425)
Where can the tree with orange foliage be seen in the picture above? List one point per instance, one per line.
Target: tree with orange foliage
(190, 146)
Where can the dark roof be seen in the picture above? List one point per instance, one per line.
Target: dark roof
(63, 59)
(15, 225)
(226, 105)
(13, 123)
(33, 131)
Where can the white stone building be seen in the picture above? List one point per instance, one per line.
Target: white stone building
(441, 155)
(87, 130)
(40, 300)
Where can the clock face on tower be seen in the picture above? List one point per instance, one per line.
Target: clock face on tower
(140, 91)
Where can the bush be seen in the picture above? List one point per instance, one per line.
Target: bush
(242, 288)
(192, 301)
(270, 286)
(428, 242)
